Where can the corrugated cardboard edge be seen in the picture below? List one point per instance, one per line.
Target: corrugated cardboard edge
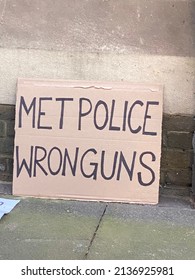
(107, 85)
(84, 199)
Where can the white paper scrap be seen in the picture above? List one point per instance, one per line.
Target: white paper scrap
(6, 205)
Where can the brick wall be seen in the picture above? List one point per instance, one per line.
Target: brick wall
(176, 161)
(7, 115)
(177, 154)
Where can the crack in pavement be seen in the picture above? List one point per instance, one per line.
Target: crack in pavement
(95, 232)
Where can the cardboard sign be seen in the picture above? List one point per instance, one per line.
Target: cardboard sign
(88, 140)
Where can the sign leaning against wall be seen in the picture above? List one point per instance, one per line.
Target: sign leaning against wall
(88, 140)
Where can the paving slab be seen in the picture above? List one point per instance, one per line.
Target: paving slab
(49, 229)
(60, 229)
(145, 232)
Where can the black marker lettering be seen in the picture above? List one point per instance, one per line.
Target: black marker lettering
(72, 165)
(148, 168)
(111, 127)
(149, 117)
(27, 110)
(138, 102)
(27, 166)
(81, 113)
(49, 160)
(41, 113)
(62, 100)
(38, 160)
(123, 162)
(125, 115)
(93, 174)
(113, 168)
(100, 103)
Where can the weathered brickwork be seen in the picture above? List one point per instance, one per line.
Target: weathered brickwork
(7, 115)
(176, 160)
(177, 154)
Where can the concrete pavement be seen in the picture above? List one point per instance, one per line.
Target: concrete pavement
(59, 229)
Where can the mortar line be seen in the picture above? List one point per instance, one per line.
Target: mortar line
(95, 232)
